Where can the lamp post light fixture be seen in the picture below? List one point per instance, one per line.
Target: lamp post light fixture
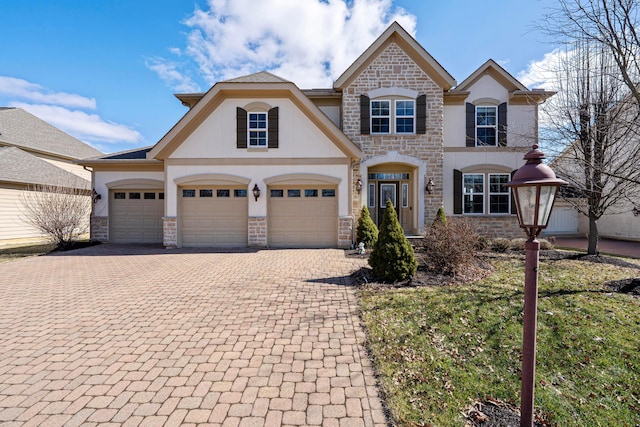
(256, 191)
(534, 187)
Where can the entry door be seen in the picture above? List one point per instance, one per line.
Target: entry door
(387, 190)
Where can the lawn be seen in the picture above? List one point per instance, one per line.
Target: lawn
(10, 254)
(440, 349)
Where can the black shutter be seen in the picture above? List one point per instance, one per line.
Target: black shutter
(273, 128)
(365, 115)
(241, 128)
(421, 115)
(502, 124)
(457, 191)
(471, 125)
(514, 208)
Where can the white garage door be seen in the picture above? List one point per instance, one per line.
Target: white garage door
(563, 220)
(136, 216)
(214, 216)
(303, 217)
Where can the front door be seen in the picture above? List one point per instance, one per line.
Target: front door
(387, 191)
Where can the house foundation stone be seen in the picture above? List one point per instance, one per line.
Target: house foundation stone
(345, 231)
(170, 232)
(258, 231)
(99, 228)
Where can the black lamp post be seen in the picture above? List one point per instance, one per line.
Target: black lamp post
(534, 187)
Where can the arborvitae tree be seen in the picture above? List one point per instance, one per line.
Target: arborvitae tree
(392, 258)
(440, 216)
(367, 232)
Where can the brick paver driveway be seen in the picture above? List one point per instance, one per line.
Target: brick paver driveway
(144, 336)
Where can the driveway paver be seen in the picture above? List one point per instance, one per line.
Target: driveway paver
(135, 335)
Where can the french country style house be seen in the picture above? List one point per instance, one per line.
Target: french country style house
(256, 161)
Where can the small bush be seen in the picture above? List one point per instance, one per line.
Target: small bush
(482, 243)
(547, 244)
(449, 248)
(366, 232)
(500, 245)
(519, 244)
(392, 258)
(440, 216)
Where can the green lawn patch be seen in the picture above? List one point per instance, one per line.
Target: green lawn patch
(440, 349)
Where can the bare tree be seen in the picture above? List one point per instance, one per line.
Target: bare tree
(592, 129)
(58, 211)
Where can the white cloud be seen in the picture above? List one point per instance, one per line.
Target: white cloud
(543, 73)
(310, 42)
(86, 127)
(22, 89)
(168, 71)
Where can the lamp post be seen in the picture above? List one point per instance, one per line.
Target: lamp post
(534, 187)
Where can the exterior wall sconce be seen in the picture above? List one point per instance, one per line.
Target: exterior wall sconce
(429, 187)
(534, 187)
(95, 196)
(256, 191)
(358, 186)
(636, 211)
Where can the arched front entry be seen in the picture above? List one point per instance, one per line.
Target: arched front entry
(400, 179)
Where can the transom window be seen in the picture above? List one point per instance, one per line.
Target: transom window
(486, 126)
(257, 129)
(402, 116)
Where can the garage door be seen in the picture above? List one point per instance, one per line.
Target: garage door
(136, 216)
(214, 216)
(303, 217)
(563, 220)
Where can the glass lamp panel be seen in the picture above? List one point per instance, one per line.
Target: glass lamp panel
(526, 196)
(547, 196)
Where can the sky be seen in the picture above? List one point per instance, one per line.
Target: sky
(105, 71)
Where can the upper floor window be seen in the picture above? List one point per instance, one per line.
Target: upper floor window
(405, 116)
(392, 116)
(380, 117)
(486, 126)
(257, 129)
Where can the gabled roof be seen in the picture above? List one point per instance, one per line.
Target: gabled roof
(517, 90)
(395, 33)
(253, 86)
(24, 130)
(20, 167)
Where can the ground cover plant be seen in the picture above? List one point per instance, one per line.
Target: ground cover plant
(440, 350)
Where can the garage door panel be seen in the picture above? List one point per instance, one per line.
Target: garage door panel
(136, 220)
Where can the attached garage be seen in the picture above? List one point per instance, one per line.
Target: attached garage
(136, 216)
(563, 220)
(214, 216)
(303, 216)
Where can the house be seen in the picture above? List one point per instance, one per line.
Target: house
(32, 152)
(256, 161)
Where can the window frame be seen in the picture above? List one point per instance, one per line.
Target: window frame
(392, 117)
(493, 126)
(397, 116)
(473, 193)
(381, 116)
(507, 192)
(258, 130)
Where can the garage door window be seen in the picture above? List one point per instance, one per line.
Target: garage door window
(328, 192)
(239, 193)
(119, 196)
(149, 196)
(161, 196)
(206, 193)
(188, 193)
(310, 193)
(277, 193)
(222, 193)
(134, 196)
(293, 193)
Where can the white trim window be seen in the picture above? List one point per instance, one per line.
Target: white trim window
(473, 193)
(381, 116)
(486, 126)
(257, 129)
(499, 195)
(405, 116)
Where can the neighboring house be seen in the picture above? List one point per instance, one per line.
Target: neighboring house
(33, 152)
(394, 125)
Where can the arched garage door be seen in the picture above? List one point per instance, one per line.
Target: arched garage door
(303, 216)
(214, 216)
(136, 216)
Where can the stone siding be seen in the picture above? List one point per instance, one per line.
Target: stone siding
(345, 232)
(99, 228)
(170, 231)
(258, 231)
(494, 227)
(394, 68)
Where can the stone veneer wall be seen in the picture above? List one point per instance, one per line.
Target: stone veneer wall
(99, 228)
(394, 68)
(494, 227)
(258, 231)
(170, 231)
(345, 231)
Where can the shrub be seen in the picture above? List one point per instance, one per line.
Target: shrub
(440, 216)
(367, 232)
(500, 245)
(449, 247)
(518, 244)
(392, 258)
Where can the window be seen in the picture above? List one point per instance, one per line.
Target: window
(206, 193)
(310, 193)
(405, 195)
(486, 126)
(405, 111)
(257, 129)
(134, 196)
(223, 193)
(293, 193)
(188, 193)
(380, 117)
(149, 196)
(118, 195)
(371, 197)
(161, 196)
(499, 195)
(473, 193)
(328, 192)
(277, 193)
(239, 193)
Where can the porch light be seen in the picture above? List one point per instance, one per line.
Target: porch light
(429, 187)
(256, 191)
(95, 196)
(534, 187)
(358, 185)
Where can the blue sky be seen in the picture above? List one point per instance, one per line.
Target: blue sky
(105, 71)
